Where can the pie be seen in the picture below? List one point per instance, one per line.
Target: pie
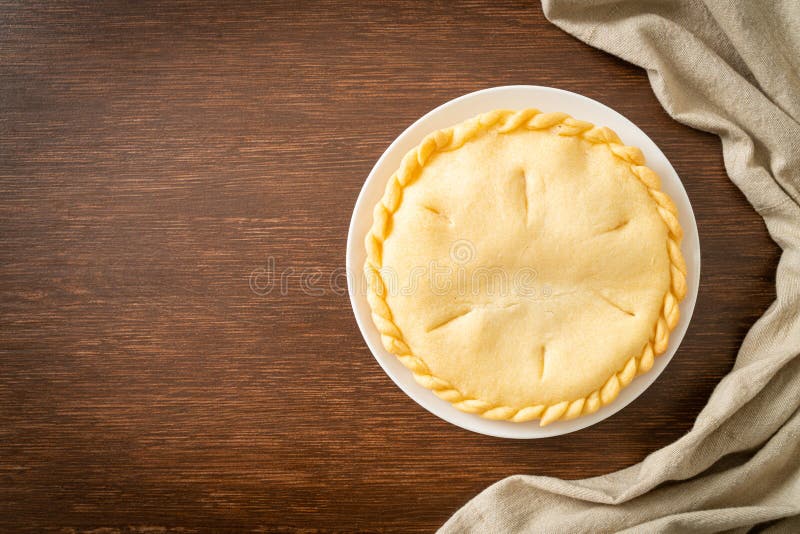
(525, 265)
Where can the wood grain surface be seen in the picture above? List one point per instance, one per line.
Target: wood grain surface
(154, 155)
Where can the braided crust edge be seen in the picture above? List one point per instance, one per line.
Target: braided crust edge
(505, 121)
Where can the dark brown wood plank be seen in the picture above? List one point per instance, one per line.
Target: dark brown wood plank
(154, 154)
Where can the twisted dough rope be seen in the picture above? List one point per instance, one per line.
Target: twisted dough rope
(504, 121)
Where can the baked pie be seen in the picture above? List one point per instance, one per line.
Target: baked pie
(525, 265)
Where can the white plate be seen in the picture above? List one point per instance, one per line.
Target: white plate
(453, 112)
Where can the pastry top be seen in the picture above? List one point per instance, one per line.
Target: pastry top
(525, 265)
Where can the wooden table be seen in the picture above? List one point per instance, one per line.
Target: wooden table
(154, 155)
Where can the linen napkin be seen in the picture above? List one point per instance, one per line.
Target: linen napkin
(731, 68)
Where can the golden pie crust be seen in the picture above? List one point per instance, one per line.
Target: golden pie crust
(557, 261)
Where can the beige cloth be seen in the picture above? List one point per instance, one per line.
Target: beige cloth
(734, 70)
